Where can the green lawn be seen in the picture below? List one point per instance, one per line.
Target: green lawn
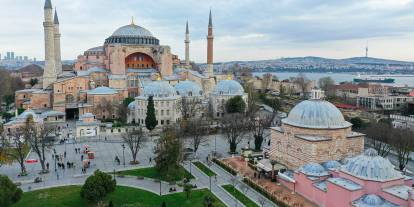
(240, 196)
(151, 172)
(204, 168)
(69, 196)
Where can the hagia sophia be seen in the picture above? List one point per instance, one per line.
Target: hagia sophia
(130, 63)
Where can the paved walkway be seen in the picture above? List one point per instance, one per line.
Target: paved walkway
(281, 192)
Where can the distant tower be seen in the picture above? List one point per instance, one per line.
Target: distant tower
(58, 60)
(49, 73)
(187, 46)
(366, 50)
(210, 37)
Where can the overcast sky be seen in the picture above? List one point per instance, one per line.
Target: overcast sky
(243, 29)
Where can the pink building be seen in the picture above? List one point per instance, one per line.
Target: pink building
(366, 180)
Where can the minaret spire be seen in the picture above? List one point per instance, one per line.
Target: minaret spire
(58, 59)
(187, 45)
(210, 37)
(56, 19)
(49, 74)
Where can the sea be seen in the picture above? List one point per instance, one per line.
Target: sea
(401, 80)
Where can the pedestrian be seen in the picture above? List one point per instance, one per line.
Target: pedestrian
(150, 160)
(105, 138)
(47, 166)
(81, 157)
(64, 154)
(63, 166)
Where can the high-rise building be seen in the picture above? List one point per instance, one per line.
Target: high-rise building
(12, 55)
(8, 56)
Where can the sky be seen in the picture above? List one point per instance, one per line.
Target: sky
(243, 29)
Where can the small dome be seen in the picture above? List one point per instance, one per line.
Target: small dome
(331, 164)
(132, 105)
(228, 87)
(371, 166)
(159, 89)
(132, 30)
(372, 200)
(313, 169)
(86, 115)
(316, 114)
(26, 114)
(188, 88)
(103, 90)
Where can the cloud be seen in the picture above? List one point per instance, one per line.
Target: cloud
(247, 29)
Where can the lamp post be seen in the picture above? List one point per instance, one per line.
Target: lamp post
(123, 153)
(55, 160)
(209, 177)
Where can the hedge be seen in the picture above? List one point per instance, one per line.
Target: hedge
(225, 167)
(264, 192)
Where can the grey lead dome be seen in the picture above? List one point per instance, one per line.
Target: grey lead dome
(132, 30)
(316, 114)
(371, 166)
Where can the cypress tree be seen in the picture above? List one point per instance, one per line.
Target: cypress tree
(150, 119)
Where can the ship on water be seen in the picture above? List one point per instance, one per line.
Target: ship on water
(371, 79)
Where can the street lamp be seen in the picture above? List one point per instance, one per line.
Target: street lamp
(55, 161)
(209, 177)
(123, 153)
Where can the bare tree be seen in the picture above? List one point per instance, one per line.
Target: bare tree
(234, 127)
(189, 107)
(302, 81)
(196, 132)
(326, 83)
(252, 99)
(39, 138)
(258, 124)
(135, 140)
(379, 136)
(402, 143)
(16, 145)
(105, 107)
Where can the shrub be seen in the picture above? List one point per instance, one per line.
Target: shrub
(97, 186)
(9, 192)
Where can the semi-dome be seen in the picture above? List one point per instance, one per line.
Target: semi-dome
(313, 169)
(371, 166)
(372, 200)
(132, 34)
(188, 88)
(159, 89)
(316, 114)
(228, 87)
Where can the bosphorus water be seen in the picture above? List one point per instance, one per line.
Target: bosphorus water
(400, 80)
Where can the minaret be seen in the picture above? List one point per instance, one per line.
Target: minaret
(58, 60)
(187, 46)
(210, 38)
(49, 73)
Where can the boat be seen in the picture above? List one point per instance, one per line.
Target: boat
(360, 79)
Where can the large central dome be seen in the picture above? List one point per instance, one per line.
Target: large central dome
(132, 30)
(132, 34)
(316, 114)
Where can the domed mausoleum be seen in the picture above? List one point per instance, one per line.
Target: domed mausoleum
(166, 104)
(315, 131)
(225, 90)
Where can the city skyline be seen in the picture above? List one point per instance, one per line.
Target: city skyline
(276, 29)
